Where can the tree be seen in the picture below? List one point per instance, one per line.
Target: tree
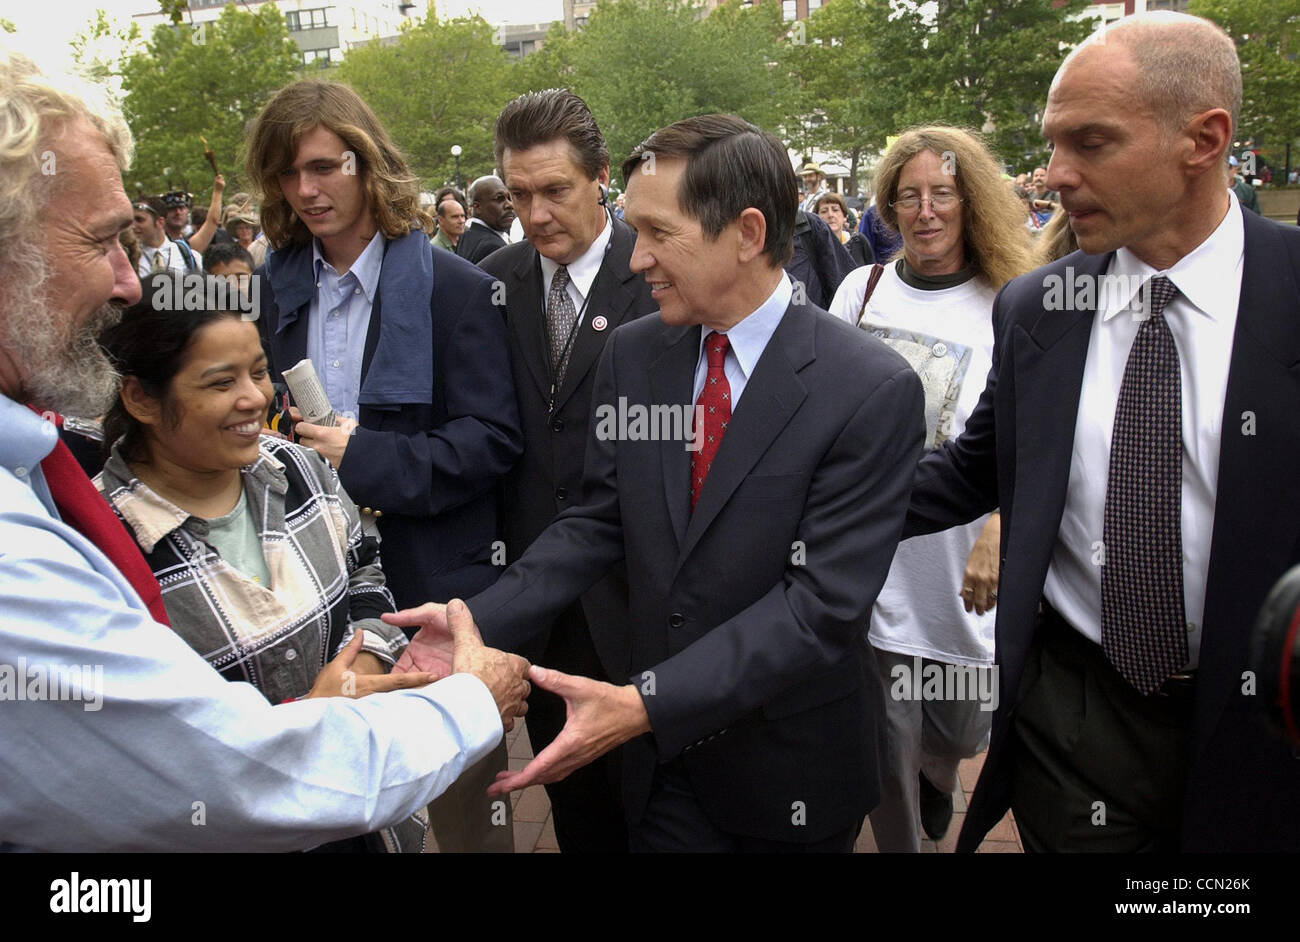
(208, 79)
(643, 64)
(439, 84)
(873, 67)
(1267, 34)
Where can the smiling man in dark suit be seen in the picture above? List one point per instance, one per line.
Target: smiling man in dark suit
(1139, 434)
(748, 702)
(566, 289)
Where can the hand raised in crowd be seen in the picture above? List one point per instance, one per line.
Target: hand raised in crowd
(448, 642)
(600, 717)
(979, 587)
(357, 673)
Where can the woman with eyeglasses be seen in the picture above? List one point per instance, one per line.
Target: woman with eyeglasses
(963, 237)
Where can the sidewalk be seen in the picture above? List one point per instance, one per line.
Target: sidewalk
(535, 831)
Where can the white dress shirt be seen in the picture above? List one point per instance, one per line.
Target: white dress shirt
(1202, 318)
(582, 271)
(173, 260)
(747, 340)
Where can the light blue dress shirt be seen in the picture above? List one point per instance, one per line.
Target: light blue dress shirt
(748, 339)
(168, 755)
(338, 320)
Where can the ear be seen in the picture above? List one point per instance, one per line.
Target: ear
(603, 177)
(141, 406)
(1209, 133)
(751, 230)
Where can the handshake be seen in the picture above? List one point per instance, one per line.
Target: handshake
(448, 642)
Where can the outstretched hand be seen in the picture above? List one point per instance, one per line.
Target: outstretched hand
(431, 649)
(344, 677)
(601, 717)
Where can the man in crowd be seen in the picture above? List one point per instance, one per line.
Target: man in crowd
(157, 252)
(408, 348)
(814, 185)
(1246, 194)
(754, 548)
(163, 753)
(491, 215)
(1141, 448)
(1044, 201)
(566, 289)
(451, 223)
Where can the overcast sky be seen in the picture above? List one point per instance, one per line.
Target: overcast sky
(46, 37)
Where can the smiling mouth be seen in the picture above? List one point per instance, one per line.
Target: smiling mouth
(251, 427)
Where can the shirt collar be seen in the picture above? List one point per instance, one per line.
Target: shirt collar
(1198, 275)
(27, 438)
(584, 269)
(365, 269)
(748, 338)
(150, 515)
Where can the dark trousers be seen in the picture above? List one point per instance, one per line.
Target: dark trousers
(674, 823)
(587, 807)
(1099, 766)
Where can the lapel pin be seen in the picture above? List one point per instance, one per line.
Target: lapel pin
(599, 323)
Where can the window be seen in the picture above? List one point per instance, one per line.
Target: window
(813, 5)
(306, 19)
(788, 10)
(323, 56)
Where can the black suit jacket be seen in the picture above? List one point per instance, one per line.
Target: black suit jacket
(478, 242)
(1243, 785)
(548, 478)
(748, 615)
(432, 468)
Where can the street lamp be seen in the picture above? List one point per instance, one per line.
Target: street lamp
(456, 152)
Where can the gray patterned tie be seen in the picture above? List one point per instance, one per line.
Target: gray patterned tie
(1143, 627)
(560, 317)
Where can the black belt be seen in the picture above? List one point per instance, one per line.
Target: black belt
(1176, 686)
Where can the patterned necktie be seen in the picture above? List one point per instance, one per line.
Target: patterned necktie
(1143, 627)
(715, 401)
(157, 264)
(560, 318)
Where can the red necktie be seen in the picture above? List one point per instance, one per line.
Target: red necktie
(715, 401)
(84, 509)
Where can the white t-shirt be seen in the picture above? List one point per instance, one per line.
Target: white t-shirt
(947, 337)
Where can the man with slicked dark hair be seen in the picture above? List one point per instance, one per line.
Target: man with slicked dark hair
(747, 705)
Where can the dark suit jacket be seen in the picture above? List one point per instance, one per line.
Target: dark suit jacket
(548, 478)
(1243, 786)
(431, 467)
(749, 615)
(478, 242)
(820, 261)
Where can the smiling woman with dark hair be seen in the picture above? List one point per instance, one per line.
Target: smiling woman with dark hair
(259, 551)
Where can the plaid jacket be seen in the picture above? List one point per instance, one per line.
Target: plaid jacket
(325, 575)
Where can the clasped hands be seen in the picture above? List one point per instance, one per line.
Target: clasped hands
(600, 716)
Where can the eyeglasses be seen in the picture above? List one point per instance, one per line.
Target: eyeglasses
(939, 202)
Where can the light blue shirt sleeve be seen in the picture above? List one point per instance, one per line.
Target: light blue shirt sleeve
(154, 750)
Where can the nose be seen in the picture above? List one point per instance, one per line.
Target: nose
(126, 285)
(641, 259)
(252, 395)
(306, 185)
(926, 209)
(1059, 176)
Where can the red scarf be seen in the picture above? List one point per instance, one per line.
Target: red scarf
(84, 509)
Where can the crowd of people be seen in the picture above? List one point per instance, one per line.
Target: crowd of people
(535, 492)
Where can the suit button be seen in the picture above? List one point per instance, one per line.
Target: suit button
(561, 493)
(557, 425)
(676, 620)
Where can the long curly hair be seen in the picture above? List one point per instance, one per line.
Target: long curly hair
(993, 223)
(393, 191)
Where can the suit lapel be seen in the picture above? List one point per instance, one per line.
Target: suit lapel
(1048, 361)
(772, 396)
(1259, 451)
(672, 376)
(527, 320)
(611, 298)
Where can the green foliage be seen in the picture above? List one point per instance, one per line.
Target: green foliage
(1267, 34)
(642, 64)
(208, 79)
(441, 83)
(871, 68)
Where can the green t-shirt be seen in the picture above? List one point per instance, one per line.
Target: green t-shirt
(237, 540)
